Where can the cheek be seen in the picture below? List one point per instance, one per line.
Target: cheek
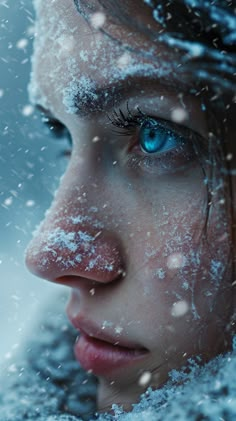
(183, 255)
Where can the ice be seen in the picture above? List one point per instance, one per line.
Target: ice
(118, 330)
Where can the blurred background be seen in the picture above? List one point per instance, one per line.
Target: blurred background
(30, 168)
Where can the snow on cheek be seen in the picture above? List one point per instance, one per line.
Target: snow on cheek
(66, 45)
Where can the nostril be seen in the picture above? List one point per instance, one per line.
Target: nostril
(75, 281)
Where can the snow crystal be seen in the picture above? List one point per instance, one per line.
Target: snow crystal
(83, 55)
(160, 273)
(118, 330)
(62, 239)
(106, 324)
(66, 44)
(85, 86)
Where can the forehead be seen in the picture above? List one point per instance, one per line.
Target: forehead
(74, 55)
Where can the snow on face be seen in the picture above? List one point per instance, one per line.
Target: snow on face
(144, 216)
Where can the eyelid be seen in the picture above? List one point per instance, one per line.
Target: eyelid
(57, 129)
(130, 120)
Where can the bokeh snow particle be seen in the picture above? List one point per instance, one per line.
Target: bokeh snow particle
(179, 115)
(1, 93)
(8, 201)
(27, 110)
(22, 43)
(179, 309)
(31, 31)
(97, 20)
(95, 139)
(30, 203)
(175, 261)
(145, 379)
(229, 157)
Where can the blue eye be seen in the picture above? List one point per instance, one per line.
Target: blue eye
(156, 137)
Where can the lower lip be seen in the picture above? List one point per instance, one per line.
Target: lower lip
(103, 358)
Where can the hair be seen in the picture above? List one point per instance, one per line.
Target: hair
(205, 31)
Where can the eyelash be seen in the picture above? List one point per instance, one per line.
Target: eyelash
(191, 145)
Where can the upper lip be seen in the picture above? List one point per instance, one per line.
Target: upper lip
(91, 329)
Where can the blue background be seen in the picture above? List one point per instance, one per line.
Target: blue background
(30, 168)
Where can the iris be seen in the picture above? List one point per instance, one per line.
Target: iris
(157, 137)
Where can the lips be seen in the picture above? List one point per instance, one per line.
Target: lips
(103, 352)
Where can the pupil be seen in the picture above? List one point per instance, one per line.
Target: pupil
(152, 134)
(152, 138)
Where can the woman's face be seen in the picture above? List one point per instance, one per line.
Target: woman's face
(127, 228)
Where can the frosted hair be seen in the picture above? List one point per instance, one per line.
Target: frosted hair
(203, 31)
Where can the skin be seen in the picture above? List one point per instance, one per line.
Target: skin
(147, 222)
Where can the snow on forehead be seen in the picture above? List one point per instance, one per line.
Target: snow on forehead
(72, 60)
(51, 28)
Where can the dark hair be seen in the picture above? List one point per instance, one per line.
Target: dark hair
(185, 25)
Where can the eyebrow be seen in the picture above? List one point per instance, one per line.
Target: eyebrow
(84, 102)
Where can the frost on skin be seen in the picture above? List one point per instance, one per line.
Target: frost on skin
(80, 86)
(172, 254)
(67, 244)
(85, 88)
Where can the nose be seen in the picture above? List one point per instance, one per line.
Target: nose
(74, 245)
